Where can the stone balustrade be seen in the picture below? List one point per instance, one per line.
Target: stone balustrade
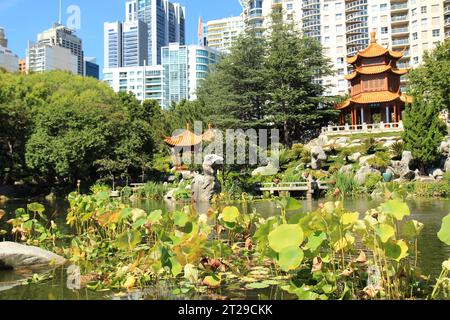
(363, 128)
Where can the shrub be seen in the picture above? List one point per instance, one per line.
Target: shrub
(381, 161)
(371, 182)
(397, 149)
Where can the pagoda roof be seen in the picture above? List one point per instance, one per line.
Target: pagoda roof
(375, 70)
(374, 50)
(189, 139)
(375, 97)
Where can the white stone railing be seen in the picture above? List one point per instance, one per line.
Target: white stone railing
(364, 128)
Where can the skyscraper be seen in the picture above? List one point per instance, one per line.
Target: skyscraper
(43, 57)
(3, 40)
(134, 43)
(64, 37)
(165, 22)
(8, 60)
(113, 44)
(185, 67)
(221, 33)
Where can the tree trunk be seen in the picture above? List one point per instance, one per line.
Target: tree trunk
(287, 135)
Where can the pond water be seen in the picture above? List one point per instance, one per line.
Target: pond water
(432, 252)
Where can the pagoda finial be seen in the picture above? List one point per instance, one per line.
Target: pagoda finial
(373, 35)
(188, 126)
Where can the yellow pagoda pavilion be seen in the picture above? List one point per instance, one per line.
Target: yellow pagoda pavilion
(375, 86)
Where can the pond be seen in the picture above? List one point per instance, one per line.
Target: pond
(432, 252)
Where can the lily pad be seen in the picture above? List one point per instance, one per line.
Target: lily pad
(285, 236)
(349, 218)
(444, 233)
(230, 214)
(257, 285)
(385, 232)
(290, 258)
(396, 208)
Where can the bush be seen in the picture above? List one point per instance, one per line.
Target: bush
(381, 161)
(372, 181)
(397, 149)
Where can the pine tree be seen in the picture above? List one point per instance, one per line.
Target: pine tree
(424, 131)
(296, 104)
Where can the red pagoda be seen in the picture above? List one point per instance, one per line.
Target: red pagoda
(375, 87)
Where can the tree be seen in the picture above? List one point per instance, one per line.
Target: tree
(429, 87)
(424, 131)
(296, 104)
(235, 89)
(433, 77)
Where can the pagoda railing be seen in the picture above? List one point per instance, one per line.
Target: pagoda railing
(364, 128)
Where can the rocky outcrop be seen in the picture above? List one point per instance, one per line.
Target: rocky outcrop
(364, 160)
(205, 186)
(447, 165)
(363, 172)
(317, 157)
(401, 169)
(348, 169)
(16, 256)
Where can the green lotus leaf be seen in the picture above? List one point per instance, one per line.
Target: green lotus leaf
(176, 268)
(128, 240)
(155, 216)
(284, 236)
(349, 218)
(315, 241)
(396, 208)
(444, 233)
(180, 218)
(290, 204)
(230, 214)
(384, 231)
(137, 214)
(36, 207)
(397, 250)
(257, 285)
(290, 258)
(411, 229)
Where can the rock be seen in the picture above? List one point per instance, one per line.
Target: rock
(425, 179)
(342, 140)
(401, 168)
(355, 157)
(356, 141)
(317, 156)
(389, 144)
(269, 170)
(354, 145)
(438, 174)
(447, 165)
(363, 172)
(322, 141)
(16, 256)
(409, 175)
(170, 195)
(444, 148)
(187, 175)
(348, 169)
(205, 186)
(363, 161)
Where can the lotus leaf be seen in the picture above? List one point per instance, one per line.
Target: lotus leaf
(284, 236)
(444, 233)
(230, 214)
(290, 258)
(396, 208)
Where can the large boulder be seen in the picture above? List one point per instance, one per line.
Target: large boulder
(438, 174)
(348, 169)
(317, 156)
(355, 157)
(444, 148)
(363, 172)
(363, 160)
(205, 186)
(16, 256)
(447, 165)
(402, 168)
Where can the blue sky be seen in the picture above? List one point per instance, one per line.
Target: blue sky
(24, 19)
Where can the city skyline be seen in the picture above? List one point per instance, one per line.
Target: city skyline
(93, 16)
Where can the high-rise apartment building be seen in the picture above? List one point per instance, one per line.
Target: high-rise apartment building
(165, 22)
(185, 67)
(220, 34)
(64, 37)
(43, 57)
(8, 60)
(343, 27)
(134, 43)
(112, 44)
(145, 82)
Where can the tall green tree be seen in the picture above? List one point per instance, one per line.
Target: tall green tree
(236, 87)
(429, 87)
(296, 104)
